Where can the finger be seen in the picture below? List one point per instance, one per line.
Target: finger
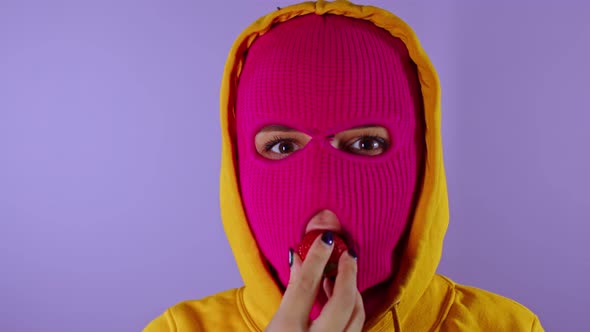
(296, 266)
(328, 286)
(338, 310)
(358, 315)
(283, 313)
(305, 280)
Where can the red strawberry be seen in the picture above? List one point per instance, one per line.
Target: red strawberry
(339, 247)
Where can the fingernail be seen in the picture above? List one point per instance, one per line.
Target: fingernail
(352, 254)
(328, 238)
(290, 257)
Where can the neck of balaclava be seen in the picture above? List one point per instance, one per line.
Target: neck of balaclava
(379, 297)
(375, 299)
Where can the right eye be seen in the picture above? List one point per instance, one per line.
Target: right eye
(367, 145)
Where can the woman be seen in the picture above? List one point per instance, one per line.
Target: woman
(330, 115)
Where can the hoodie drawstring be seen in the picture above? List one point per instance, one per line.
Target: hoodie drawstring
(396, 323)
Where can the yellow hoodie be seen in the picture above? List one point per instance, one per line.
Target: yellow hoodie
(419, 299)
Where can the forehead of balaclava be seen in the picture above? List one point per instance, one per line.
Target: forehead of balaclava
(322, 74)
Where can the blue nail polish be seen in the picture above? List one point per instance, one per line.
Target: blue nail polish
(290, 257)
(328, 238)
(352, 254)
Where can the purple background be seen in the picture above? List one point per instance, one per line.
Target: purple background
(110, 151)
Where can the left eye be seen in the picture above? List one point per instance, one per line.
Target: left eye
(367, 145)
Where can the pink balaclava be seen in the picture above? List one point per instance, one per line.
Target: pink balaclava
(321, 75)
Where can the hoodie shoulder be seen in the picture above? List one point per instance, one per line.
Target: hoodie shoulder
(475, 309)
(219, 312)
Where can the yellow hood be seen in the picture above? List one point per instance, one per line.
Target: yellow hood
(424, 245)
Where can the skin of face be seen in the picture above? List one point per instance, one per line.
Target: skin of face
(277, 142)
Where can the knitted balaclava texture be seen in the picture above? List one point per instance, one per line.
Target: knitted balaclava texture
(322, 74)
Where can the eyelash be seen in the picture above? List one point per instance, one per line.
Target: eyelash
(381, 140)
(278, 139)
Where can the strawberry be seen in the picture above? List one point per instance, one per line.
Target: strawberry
(339, 247)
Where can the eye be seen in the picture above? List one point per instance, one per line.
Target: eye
(367, 145)
(281, 146)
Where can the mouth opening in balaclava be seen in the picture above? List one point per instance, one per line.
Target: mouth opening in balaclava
(322, 74)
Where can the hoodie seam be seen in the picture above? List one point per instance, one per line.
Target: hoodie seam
(171, 321)
(536, 323)
(252, 326)
(449, 301)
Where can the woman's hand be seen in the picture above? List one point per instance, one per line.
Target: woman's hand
(344, 310)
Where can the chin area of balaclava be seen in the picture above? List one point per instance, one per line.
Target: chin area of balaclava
(322, 75)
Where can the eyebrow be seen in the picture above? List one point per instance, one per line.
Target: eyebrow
(366, 126)
(276, 128)
(288, 129)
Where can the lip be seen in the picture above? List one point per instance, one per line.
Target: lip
(336, 230)
(332, 228)
(323, 221)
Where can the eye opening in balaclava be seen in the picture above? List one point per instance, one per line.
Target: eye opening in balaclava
(335, 141)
